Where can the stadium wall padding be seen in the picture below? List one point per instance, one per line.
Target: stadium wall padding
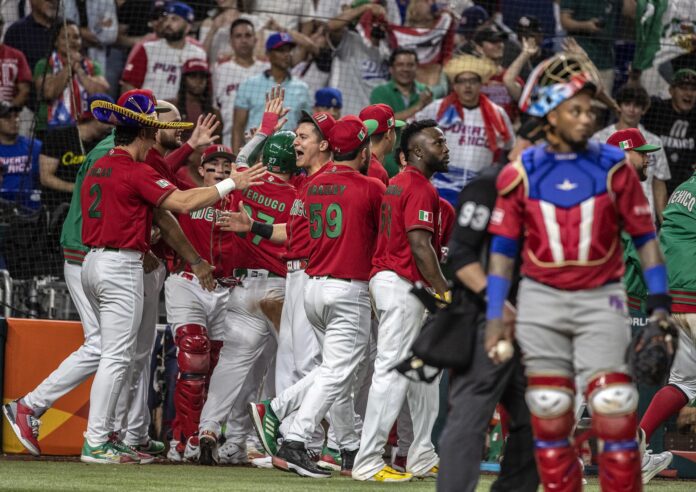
(33, 349)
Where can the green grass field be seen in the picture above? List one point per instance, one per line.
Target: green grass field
(55, 476)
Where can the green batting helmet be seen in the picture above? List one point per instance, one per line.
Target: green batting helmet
(279, 153)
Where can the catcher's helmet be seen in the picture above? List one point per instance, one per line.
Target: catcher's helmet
(553, 81)
(279, 153)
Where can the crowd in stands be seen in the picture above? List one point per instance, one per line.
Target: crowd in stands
(222, 56)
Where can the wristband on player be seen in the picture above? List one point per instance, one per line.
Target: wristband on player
(262, 229)
(225, 187)
(195, 262)
(657, 302)
(656, 279)
(497, 291)
(268, 123)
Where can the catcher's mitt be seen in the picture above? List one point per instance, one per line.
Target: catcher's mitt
(651, 352)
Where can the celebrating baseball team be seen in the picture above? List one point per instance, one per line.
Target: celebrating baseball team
(314, 302)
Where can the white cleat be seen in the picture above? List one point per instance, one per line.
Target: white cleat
(652, 464)
(265, 462)
(232, 453)
(173, 455)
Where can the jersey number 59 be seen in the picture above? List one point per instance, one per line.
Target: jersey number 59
(330, 223)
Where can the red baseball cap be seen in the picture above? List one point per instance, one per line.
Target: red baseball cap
(123, 101)
(322, 120)
(631, 139)
(195, 65)
(380, 118)
(348, 134)
(217, 150)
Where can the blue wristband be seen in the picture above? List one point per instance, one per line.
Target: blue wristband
(504, 246)
(656, 279)
(639, 241)
(497, 291)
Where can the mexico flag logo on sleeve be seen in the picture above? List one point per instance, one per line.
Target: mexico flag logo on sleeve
(424, 216)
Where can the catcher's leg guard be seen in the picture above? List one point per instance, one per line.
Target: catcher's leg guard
(613, 400)
(550, 401)
(193, 355)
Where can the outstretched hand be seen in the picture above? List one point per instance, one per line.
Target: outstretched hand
(248, 177)
(235, 221)
(203, 134)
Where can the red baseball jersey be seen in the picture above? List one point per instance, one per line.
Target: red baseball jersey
(571, 208)
(205, 237)
(376, 170)
(298, 180)
(447, 214)
(297, 244)
(409, 203)
(270, 203)
(343, 208)
(117, 198)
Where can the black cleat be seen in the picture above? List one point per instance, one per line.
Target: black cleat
(208, 449)
(293, 456)
(347, 460)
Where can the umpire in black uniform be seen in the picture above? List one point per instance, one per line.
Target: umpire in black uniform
(477, 384)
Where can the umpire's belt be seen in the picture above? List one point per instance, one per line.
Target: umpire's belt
(295, 265)
(242, 273)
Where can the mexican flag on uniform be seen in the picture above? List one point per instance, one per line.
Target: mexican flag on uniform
(424, 216)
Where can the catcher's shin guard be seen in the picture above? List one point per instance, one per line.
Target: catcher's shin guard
(613, 400)
(193, 356)
(550, 401)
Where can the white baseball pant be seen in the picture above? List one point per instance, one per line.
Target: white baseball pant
(188, 303)
(132, 411)
(247, 333)
(79, 365)
(113, 284)
(340, 311)
(400, 317)
(683, 373)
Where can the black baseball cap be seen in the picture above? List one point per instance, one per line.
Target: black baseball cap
(6, 109)
(685, 76)
(528, 24)
(489, 33)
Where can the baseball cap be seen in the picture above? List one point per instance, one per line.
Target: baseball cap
(631, 139)
(158, 9)
(6, 109)
(322, 120)
(490, 34)
(472, 18)
(278, 40)
(328, 97)
(123, 100)
(347, 134)
(217, 150)
(685, 76)
(529, 24)
(195, 65)
(379, 118)
(181, 9)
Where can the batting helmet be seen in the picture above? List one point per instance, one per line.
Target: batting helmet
(279, 153)
(553, 81)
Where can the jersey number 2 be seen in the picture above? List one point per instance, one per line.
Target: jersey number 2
(95, 191)
(329, 224)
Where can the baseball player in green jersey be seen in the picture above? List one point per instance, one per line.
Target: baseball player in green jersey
(23, 414)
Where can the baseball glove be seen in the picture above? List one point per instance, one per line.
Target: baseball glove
(651, 352)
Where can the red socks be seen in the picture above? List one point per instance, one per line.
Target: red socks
(666, 402)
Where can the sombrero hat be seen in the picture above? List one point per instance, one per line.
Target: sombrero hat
(484, 68)
(135, 108)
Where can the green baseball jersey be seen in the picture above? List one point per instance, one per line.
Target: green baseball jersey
(636, 290)
(678, 242)
(71, 235)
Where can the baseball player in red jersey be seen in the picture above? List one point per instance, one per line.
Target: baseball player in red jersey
(343, 209)
(118, 195)
(568, 200)
(197, 314)
(261, 271)
(407, 251)
(383, 138)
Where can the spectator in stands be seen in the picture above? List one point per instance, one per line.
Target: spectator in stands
(98, 25)
(64, 82)
(531, 36)
(634, 103)
(294, 15)
(156, 65)
(230, 72)
(489, 42)
(360, 57)
(33, 35)
(472, 18)
(674, 121)
(16, 80)
(478, 131)
(251, 97)
(593, 23)
(195, 96)
(403, 93)
(330, 100)
(215, 34)
(19, 173)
